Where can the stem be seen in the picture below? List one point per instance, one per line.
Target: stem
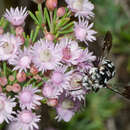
(51, 17)
(4, 68)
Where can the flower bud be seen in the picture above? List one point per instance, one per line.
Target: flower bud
(52, 102)
(33, 70)
(3, 81)
(61, 12)
(21, 77)
(8, 88)
(11, 78)
(51, 4)
(19, 31)
(16, 88)
(49, 36)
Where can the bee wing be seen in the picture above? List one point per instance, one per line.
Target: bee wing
(107, 45)
(102, 46)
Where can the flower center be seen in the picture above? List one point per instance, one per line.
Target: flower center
(66, 53)
(26, 117)
(26, 97)
(77, 5)
(81, 33)
(67, 104)
(1, 105)
(25, 61)
(45, 56)
(75, 81)
(8, 48)
(57, 77)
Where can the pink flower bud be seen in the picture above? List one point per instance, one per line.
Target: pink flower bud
(33, 70)
(61, 12)
(16, 88)
(8, 88)
(11, 78)
(49, 36)
(51, 4)
(19, 31)
(1, 30)
(21, 77)
(3, 81)
(52, 102)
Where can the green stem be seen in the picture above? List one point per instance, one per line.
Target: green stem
(4, 68)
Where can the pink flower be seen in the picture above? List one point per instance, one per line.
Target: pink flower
(70, 51)
(6, 108)
(22, 61)
(26, 120)
(76, 90)
(16, 16)
(81, 8)
(28, 98)
(50, 90)
(45, 55)
(9, 45)
(66, 108)
(83, 31)
(60, 77)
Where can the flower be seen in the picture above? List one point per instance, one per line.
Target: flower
(66, 108)
(45, 55)
(76, 90)
(50, 90)
(16, 16)
(9, 45)
(28, 97)
(68, 49)
(22, 61)
(83, 31)
(85, 61)
(6, 108)
(26, 120)
(81, 8)
(60, 77)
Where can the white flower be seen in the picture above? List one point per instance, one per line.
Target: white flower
(26, 120)
(28, 98)
(16, 16)
(9, 45)
(6, 108)
(83, 31)
(22, 61)
(70, 51)
(81, 8)
(45, 55)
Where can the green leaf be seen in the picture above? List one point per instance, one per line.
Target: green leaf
(47, 17)
(33, 17)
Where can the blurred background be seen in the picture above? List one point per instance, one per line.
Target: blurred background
(104, 110)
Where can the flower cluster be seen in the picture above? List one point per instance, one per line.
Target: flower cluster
(46, 70)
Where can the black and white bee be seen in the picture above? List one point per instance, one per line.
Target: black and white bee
(98, 77)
